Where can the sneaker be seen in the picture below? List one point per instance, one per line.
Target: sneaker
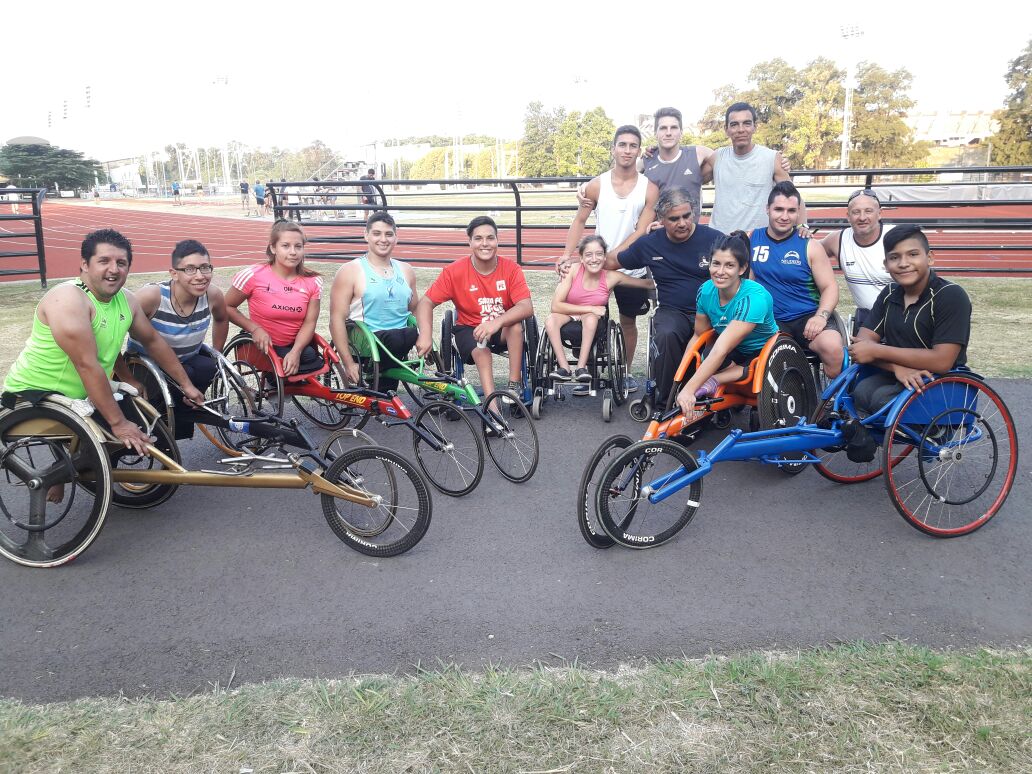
(560, 374)
(630, 384)
(514, 387)
(582, 375)
(581, 390)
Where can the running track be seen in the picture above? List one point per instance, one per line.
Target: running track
(233, 241)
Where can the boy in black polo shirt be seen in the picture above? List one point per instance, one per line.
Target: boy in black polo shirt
(919, 325)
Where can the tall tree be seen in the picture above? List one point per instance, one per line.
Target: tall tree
(880, 136)
(45, 165)
(1012, 144)
(582, 143)
(537, 146)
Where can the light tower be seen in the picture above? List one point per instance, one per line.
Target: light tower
(849, 32)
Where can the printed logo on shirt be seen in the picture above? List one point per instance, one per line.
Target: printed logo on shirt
(473, 288)
(657, 258)
(121, 317)
(288, 289)
(688, 173)
(703, 261)
(791, 258)
(500, 285)
(490, 308)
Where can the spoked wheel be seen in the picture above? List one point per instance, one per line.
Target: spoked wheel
(133, 495)
(457, 467)
(325, 412)
(834, 464)
(229, 396)
(401, 514)
(510, 436)
(622, 498)
(155, 389)
(338, 442)
(48, 449)
(361, 350)
(447, 350)
(587, 512)
(964, 458)
(617, 365)
(257, 375)
(787, 394)
(531, 339)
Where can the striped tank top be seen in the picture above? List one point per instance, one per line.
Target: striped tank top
(184, 334)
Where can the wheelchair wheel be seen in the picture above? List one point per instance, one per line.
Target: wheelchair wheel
(963, 460)
(457, 468)
(448, 356)
(47, 446)
(834, 465)
(640, 410)
(616, 357)
(531, 337)
(138, 496)
(587, 510)
(401, 515)
(362, 349)
(624, 510)
(787, 394)
(340, 441)
(257, 375)
(510, 436)
(330, 414)
(155, 388)
(535, 405)
(607, 405)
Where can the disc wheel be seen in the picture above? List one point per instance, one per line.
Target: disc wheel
(37, 463)
(327, 413)
(964, 458)
(457, 467)
(787, 394)
(624, 510)
(510, 436)
(401, 515)
(587, 512)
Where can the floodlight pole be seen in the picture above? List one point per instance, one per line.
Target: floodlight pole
(848, 32)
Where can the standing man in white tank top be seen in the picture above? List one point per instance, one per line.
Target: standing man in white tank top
(860, 251)
(623, 201)
(743, 175)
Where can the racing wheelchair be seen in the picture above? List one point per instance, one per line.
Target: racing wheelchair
(62, 470)
(948, 455)
(607, 365)
(506, 428)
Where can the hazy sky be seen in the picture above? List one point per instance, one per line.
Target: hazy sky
(349, 73)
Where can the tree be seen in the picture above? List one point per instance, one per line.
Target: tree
(582, 143)
(1012, 144)
(431, 166)
(45, 165)
(880, 136)
(537, 147)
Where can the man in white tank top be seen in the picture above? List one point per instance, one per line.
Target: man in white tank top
(743, 174)
(623, 201)
(860, 252)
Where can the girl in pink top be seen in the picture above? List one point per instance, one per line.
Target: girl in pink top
(282, 300)
(583, 294)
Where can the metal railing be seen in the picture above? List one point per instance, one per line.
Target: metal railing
(32, 198)
(524, 226)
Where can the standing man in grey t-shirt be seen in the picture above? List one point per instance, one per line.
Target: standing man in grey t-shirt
(743, 174)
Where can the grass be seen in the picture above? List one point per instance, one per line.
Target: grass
(1002, 314)
(855, 707)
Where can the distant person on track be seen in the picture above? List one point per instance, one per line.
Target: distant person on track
(860, 251)
(796, 271)
(268, 199)
(77, 333)
(244, 200)
(259, 198)
(378, 290)
(282, 300)
(368, 192)
(13, 199)
(182, 309)
(491, 301)
(919, 324)
(743, 174)
(175, 194)
(624, 204)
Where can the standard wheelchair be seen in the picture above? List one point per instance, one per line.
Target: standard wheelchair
(777, 389)
(454, 365)
(607, 365)
(948, 455)
(62, 470)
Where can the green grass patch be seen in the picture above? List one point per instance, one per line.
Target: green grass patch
(855, 707)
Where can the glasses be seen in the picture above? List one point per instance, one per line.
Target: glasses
(863, 192)
(204, 268)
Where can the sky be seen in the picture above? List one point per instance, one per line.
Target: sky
(283, 74)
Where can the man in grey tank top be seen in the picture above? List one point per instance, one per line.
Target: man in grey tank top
(743, 174)
(674, 164)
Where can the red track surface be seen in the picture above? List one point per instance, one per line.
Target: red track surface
(234, 242)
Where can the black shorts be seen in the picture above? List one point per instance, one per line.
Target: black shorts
(310, 359)
(738, 357)
(259, 200)
(797, 325)
(570, 333)
(632, 302)
(465, 343)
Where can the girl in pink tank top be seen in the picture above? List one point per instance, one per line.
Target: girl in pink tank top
(581, 299)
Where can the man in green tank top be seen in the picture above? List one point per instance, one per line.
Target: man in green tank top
(78, 331)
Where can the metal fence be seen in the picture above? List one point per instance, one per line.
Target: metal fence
(20, 210)
(995, 202)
